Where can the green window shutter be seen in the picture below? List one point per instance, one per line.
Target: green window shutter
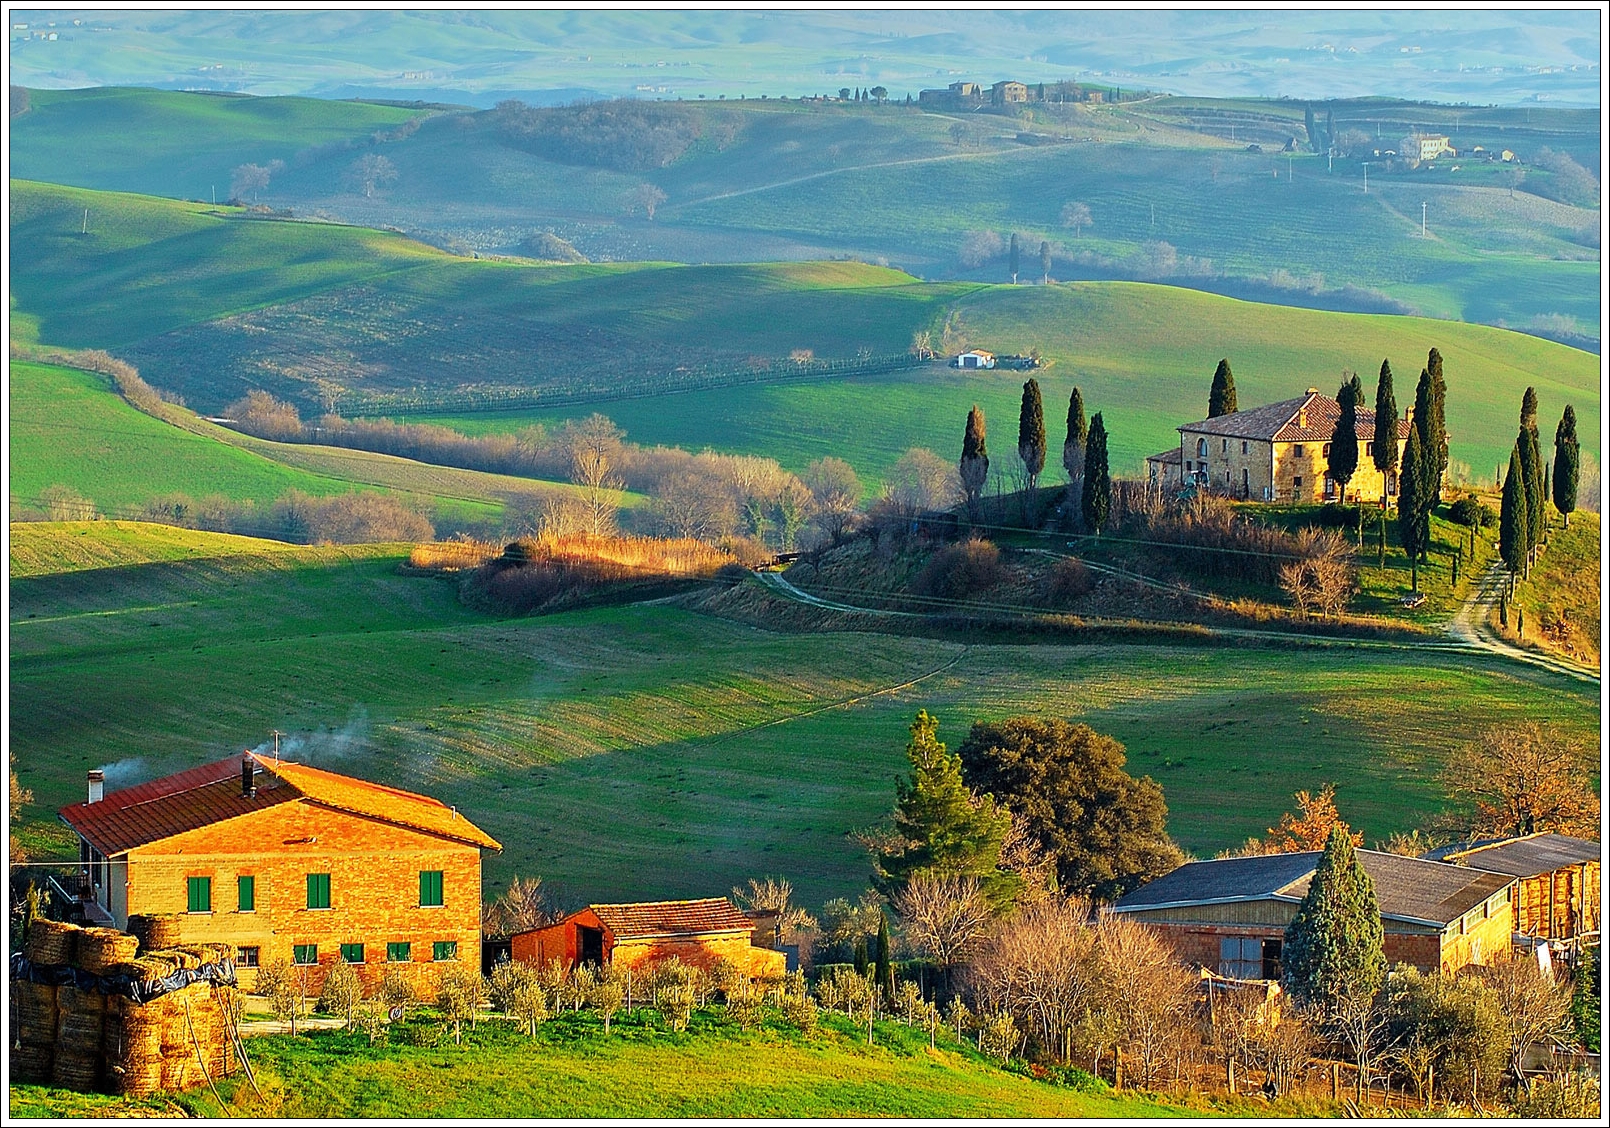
(352, 953)
(304, 954)
(444, 950)
(200, 894)
(318, 890)
(246, 889)
(399, 952)
(430, 888)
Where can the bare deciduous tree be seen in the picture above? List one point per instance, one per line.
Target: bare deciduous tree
(1076, 215)
(524, 905)
(369, 172)
(1150, 996)
(944, 917)
(1043, 964)
(1520, 779)
(1533, 1007)
(646, 198)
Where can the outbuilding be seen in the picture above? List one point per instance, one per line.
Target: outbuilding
(1557, 880)
(637, 934)
(977, 358)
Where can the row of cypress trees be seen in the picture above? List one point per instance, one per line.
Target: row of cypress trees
(1084, 454)
(1528, 484)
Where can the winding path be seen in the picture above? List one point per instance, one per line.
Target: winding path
(1469, 628)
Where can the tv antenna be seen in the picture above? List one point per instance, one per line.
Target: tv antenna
(277, 734)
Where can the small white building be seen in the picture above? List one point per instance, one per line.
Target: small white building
(978, 358)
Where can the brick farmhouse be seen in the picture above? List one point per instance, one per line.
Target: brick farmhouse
(1278, 452)
(287, 861)
(635, 935)
(1230, 915)
(1556, 880)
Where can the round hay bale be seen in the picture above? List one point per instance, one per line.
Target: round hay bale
(156, 930)
(179, 1072)
(135, 1041)
(138, 1080)
(51, 942)
(100, 949)
(80, 1072)
(32, 1063)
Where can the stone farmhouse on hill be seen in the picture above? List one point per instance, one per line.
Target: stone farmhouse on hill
(1557, 895)
(634, 935)
(1229, 915)
(1278, 452)
(283, 860)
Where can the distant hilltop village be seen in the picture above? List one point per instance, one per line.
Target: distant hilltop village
(967, 95)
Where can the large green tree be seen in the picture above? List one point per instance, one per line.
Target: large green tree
(1413, 521)
(1221, 397)
(974, 464)
(941, 828)
(1384, 451)
(1031, 433)
(1096, 502)
(1514, 526)
(1567, 464)
(1067, 785)
(1332, 948)
(1343, 460)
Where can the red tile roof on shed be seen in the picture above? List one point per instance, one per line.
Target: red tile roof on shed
(189, 800)
(672, 918)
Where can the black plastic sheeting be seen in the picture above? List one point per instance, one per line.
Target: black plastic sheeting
(220, 974)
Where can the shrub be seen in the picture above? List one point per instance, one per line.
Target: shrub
(800, 1011)
(960, 570)
(998, 1036)
(342, 991)
(1068, 581)
(1471, 513)
(459, 996)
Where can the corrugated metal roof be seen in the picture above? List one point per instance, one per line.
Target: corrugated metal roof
(189, 800)
(1405, 888)
(1522, 857)
(671, 918)
(1277, 422)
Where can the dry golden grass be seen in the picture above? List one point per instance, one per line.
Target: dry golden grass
(452, 556)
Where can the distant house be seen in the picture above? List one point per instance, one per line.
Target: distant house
(1009, 92)
(977, 358)
(1230, 915)
(636, 935)
(966, 90)
(1557, 893)
(286, 861)
(1434, 146)
(1278, 452)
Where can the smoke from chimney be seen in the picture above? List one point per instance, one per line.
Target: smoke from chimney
(97, 785)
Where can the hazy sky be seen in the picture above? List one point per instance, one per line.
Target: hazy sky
(1448, 54)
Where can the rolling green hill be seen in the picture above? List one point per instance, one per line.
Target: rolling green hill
(719, 751)
(323, 308)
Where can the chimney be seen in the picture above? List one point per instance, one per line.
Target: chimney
(247, 789)
(1302, 417)
(97, 785)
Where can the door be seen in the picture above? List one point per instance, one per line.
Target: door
(589, 945)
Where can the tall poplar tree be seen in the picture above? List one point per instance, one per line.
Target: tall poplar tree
(1031, 433)
(1513, 521)
(1343, 460)
(974, 464)
(1411, 505)
(1567, 464)
(1096, 502)
(1384, 452)
(1221, 397)
(1012, 257)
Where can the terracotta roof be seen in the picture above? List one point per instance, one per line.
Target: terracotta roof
(1409, 889)
(1521, 857)
(189, 800)
(672, 918)
(1277, 422)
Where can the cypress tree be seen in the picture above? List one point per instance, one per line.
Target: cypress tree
(1073, 453)
(1012, 257)
(1096, 501)
(1332, 948)
(1567, 464)
(1221, 398)
(1313, 130)
(882, 969)
(1439, 421)
(1031, 433)
(1385, 451)
(975, 460)
(1343, 461)
(1411, 504)
(1513, 523)
(1532, 471)
(1045, 262)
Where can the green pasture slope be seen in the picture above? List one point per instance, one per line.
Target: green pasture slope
(166, 286)
(182, 145)
(647, 751)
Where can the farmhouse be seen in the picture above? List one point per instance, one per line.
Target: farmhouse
(1278, 452)
(286, 861)
(977, 358)
(1433, 146)
(1230, 915)
(1557, 880)
(634, 935)
(1009, 92)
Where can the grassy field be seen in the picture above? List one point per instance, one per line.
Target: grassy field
(718, 751)
(1565, 582)
(640, 1068)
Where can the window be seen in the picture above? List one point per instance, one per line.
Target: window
(1241, 957)
(352, 953)
(248, 957)
(1297, 482)
(200, 894)
(399, 953)
(1224, 446)
(430, 888)
(318, 890)
(1369, 448)
(444, 950)
(1271, 959)
(1243, 446)
(1297, 450)
(1245, 482)
(1325, 450)
(1201, 448)
(304, 955)
(246, 893)
(1189, 466)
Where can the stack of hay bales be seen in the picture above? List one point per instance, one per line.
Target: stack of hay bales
(89, 1034)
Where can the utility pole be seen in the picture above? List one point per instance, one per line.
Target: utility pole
(1366, 178)
(84, 230)
(1288, 168)
(1422, 219)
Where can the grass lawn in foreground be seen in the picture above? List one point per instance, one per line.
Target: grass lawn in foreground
(645, 751)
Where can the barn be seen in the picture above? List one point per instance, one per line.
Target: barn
(1557, 880)
(638, 934)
